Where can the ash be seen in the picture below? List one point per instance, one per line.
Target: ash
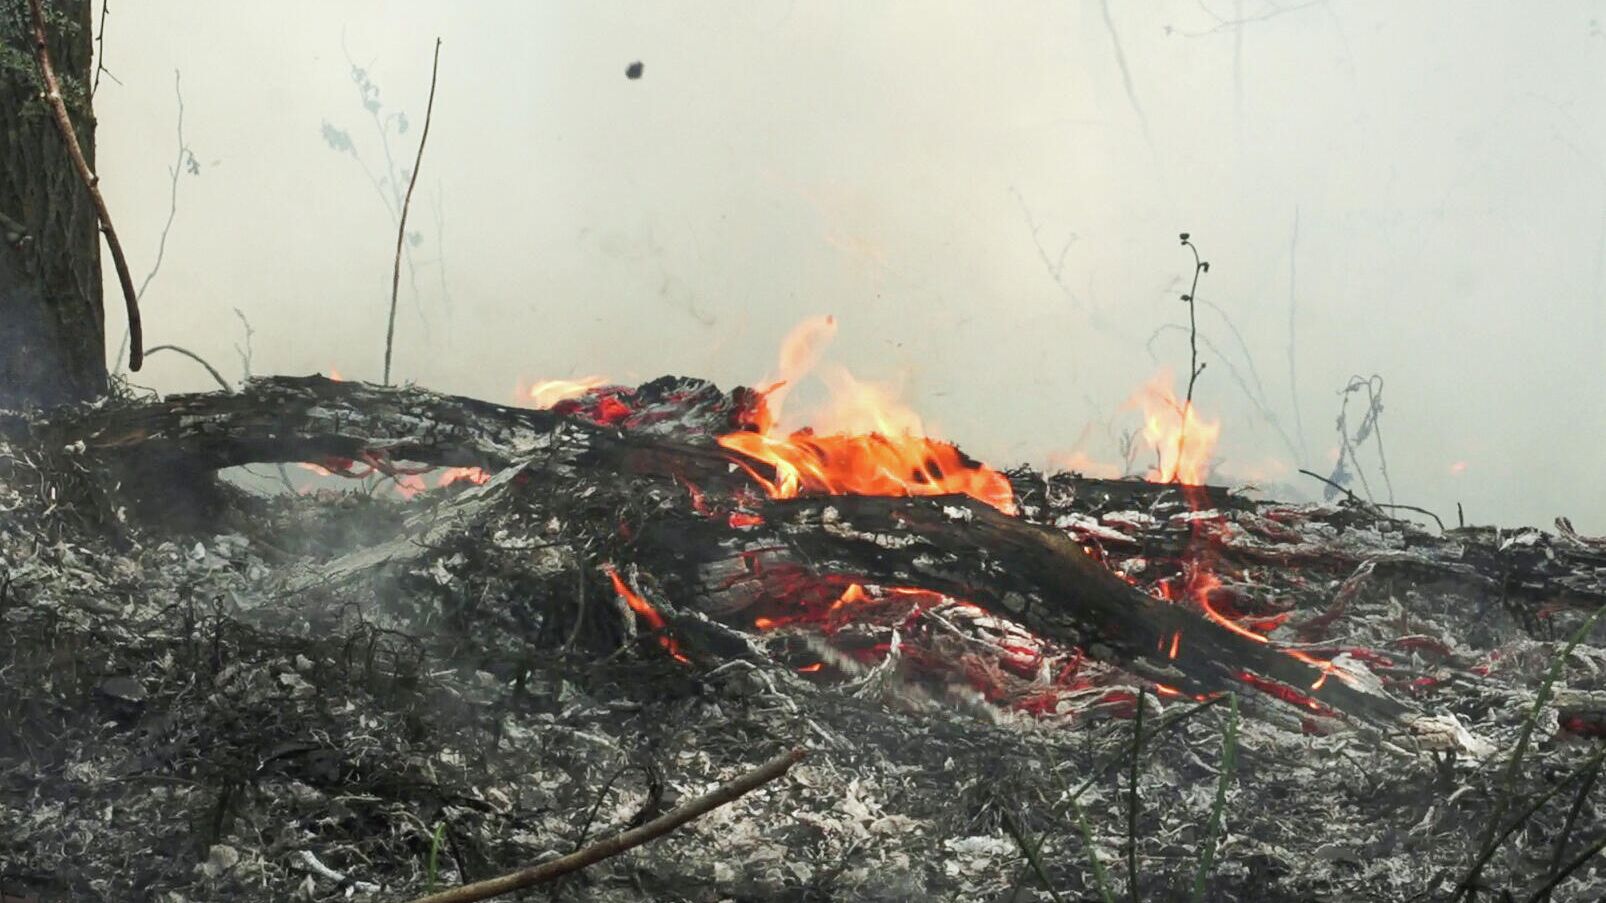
(345, 694)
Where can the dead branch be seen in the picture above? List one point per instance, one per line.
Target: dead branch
(407, 202)
(69, 136)
(619, 843)
(184, 158)
(198, 359)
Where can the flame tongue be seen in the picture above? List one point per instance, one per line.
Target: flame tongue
(871, 444)
(1182, 440)
(870, 464)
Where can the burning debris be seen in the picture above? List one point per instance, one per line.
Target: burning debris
(577, 616)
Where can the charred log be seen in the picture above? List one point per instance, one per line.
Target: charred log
(1032, 574)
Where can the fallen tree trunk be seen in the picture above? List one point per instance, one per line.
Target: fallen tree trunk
(1032, 574)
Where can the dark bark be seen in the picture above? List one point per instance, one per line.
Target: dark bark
(52, 324)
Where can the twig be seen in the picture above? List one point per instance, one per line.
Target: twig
(100, 50)
(1344, 489)
(1293, 369)
(1374, 505)
(401, 225)
(177, 169)
(69, 136)
(1126, 74)
(198, 359)
(1414, 508)
(1194, 367)
(613, 846)
(246, 351)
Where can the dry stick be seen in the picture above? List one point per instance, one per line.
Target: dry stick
(1375, 505)
(199, 360)
(69, 135)
(401, 225)
(669, 821)
(100, 50)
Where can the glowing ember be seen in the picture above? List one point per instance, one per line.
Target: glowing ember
(463, 474)
(869, 444)
(647, 613)
(1182, 439)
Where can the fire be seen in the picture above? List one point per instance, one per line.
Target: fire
(549, 392)
(474, 475)
(869, 443)
(647, 613)
(334, 374)
(1180, 437)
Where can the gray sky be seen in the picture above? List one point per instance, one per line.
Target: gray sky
(889, 163)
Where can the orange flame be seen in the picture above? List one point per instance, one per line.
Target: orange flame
(1174, 429)
(646, 612)
(872, 444)
(334, 374)
(473, 475)
(549, 392)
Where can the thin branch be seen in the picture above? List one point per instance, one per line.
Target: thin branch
(198, 359)
(401, 225)
(244, 352)
(1293, 297)
(1126, 73)
(1341, 488)
(1194, 367)
(1374, 505)
(100, 49)
(174, 172)
(619, 843)
(69, 136)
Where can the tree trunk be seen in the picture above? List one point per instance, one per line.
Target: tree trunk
(52, 324)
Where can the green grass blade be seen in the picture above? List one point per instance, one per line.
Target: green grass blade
(1229, 761)
(1099, 878)
(434, 858)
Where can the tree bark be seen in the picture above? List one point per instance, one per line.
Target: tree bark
(52, 323)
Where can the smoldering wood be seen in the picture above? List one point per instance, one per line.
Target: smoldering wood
(1029, 573)
(442, 631)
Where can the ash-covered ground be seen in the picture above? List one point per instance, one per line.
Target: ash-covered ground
(198, 712)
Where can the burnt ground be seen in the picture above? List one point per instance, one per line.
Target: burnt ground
(187, 713)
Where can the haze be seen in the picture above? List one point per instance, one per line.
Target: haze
(1412, 190)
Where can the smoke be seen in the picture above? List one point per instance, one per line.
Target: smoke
(986, 196)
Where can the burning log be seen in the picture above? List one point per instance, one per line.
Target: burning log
(1027, 573)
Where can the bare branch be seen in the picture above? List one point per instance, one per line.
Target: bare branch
(199, 360)
(401, 225)
(69, 136)
(619, 843)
